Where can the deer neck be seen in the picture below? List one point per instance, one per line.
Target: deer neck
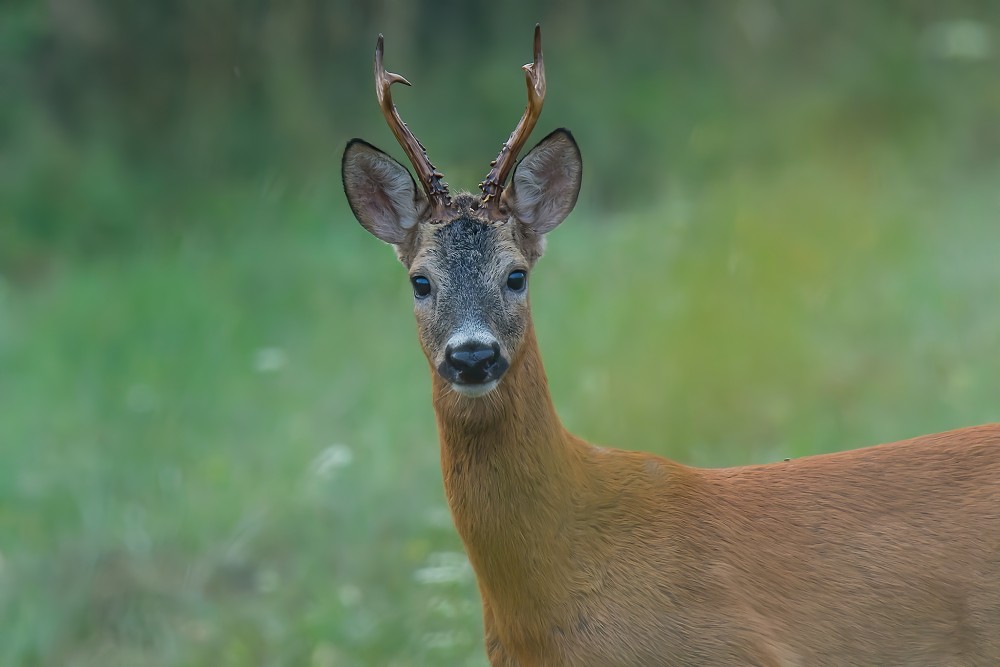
(510, 470)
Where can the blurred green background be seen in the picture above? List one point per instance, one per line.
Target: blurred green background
(216, 439)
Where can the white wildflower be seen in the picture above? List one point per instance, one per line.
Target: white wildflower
(269, 359)
(332, 458)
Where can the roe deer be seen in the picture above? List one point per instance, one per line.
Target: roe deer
(585, 555)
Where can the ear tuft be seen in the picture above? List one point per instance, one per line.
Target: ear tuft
(546, 182)
(381, 192)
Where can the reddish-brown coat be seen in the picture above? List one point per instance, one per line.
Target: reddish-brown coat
(594, 556)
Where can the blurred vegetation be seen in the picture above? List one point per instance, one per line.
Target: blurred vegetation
(124, 121)
(216, 440)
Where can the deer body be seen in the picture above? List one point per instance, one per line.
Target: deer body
(888, 555)
(589, 556)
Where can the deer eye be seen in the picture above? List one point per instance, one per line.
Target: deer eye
(516, 281)
(421, 286)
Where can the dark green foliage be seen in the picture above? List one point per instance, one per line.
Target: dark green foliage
(125, 122)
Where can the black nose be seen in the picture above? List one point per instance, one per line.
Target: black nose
(472, 362)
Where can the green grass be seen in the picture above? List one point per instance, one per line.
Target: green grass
(223, 453)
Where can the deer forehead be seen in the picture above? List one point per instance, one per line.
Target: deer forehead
(466, 250)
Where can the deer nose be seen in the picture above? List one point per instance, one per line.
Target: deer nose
(472, 361)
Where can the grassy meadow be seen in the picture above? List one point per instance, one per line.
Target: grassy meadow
(226, 455)
(217, 445)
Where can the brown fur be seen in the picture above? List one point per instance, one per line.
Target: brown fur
(888, 555)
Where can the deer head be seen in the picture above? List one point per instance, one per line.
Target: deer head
(468, 256)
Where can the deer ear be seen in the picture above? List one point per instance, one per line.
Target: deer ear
(381, 192)
(546, 183)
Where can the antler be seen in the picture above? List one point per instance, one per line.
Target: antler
(493, 184)
(430, 178)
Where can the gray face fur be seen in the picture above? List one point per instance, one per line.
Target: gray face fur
(468, 257)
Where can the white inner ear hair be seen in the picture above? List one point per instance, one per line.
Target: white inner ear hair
(530, 182)
(392, 187)
(542, 196)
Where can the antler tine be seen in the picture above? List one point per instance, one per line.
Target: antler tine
(430, 178)
(534, 74)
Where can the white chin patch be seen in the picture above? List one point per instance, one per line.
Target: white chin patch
(475, 390)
